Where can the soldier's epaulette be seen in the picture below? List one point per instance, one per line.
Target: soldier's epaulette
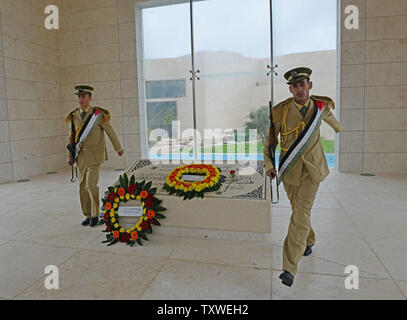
(282, 103)
(278, 106)
(105, 113)
(329, 102)
(68, 117)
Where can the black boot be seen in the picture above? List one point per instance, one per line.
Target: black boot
(94, 221)
(287, 278)
(308, 250)
(86, 222)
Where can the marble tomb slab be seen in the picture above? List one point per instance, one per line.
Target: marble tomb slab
(242, 206)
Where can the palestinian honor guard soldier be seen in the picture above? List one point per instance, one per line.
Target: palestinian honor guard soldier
(87, 149)
(302, 165)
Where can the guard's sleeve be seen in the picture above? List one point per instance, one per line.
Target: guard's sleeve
(267, 161)
(330, 119)
(277, 125)
(107, 127)
(69, 138)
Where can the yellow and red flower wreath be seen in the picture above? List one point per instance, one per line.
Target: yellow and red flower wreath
(211, 181)
(125, 191)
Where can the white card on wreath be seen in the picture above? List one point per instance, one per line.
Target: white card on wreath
(192, 177)
(130, 211)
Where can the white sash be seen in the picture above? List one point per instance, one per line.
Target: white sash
(301, 144)
(88, 130)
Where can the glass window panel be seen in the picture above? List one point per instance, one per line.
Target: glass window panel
(232, 51)
(165, 89)
(160, 115)
(167, 61)
(305, 37)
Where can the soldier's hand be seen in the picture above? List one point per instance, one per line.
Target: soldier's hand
(272, 173)
(120, 153)
(70, 161)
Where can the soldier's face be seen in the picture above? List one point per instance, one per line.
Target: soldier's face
(84, 100)
(300, 91)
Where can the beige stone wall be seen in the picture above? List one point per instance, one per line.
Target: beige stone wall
(29, 92)
(6, 168)
(373, 89)
(97, 47)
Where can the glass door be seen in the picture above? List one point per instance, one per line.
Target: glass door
(207, 65)
(168, 90)
(305, 35)
(232, 51)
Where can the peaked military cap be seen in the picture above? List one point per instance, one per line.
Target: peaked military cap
(83, 90)
(297, 74)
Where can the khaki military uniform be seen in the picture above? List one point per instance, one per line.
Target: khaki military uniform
(302, 181)
(92, 154)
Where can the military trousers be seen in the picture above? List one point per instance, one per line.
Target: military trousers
(89, 190)
(300, 233)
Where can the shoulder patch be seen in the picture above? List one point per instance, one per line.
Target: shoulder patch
(329, 102)
(105, 113)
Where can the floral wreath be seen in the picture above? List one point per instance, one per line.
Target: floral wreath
(129, 190)
(211, 181)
